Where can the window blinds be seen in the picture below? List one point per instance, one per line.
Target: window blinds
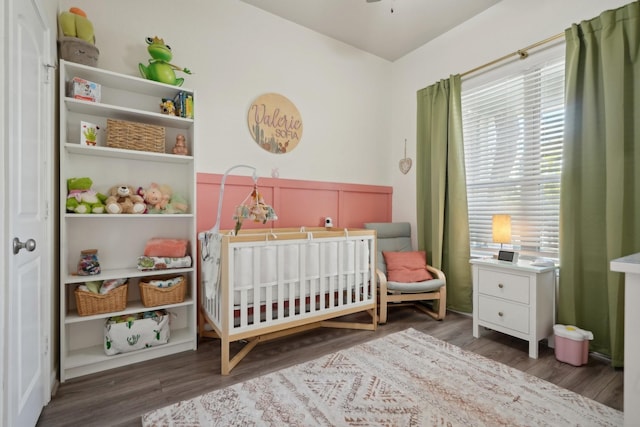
(513, 132)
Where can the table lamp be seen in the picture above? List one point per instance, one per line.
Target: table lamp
(501, 227)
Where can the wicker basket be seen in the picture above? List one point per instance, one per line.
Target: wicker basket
(153, 296)
(135, 136)
(89, 303)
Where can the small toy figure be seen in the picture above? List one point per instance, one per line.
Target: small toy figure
(75, 23)
(181, 145)
(168, 107)
(159, 68)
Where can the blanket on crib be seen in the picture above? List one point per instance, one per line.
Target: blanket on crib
(210, 261)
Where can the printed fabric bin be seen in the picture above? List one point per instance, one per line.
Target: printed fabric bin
(131, 332)
(572, 344)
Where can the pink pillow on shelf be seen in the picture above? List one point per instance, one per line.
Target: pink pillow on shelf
(170, 248)
(406, 267)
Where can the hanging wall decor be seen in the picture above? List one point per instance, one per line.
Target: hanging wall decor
(405, 164)
(275, 123)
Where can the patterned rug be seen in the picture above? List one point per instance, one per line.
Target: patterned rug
(404, 379)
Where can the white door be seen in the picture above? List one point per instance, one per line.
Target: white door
(29, 192)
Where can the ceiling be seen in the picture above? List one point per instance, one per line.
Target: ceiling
(386, 28)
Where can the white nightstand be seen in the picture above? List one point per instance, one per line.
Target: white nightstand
(515, 299)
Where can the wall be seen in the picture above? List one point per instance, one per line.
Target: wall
(238, 52)
(502, 29)
(296, 202)
(357, 109)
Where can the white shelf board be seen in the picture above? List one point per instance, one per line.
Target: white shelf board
(121, 217)
(124, 113)
(132, 307)
(121, 81)
(93, 359)
(124, 272)
(119, 153)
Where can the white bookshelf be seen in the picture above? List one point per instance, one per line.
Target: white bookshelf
(120, 239)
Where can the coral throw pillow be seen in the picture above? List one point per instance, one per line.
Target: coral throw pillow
(406, 267)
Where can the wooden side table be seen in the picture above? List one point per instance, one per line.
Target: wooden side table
(515, 299)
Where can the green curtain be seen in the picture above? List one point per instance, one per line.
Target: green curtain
(600, 186)
(443, 222)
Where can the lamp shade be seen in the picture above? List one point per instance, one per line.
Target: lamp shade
(502, 228)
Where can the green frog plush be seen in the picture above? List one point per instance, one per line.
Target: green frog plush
(159, 68)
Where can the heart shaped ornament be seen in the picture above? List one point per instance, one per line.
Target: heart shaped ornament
(405, 164)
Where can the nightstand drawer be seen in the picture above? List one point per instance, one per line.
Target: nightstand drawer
(512, 287)
(503, 313)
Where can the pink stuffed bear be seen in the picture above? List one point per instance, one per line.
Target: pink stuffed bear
(156, 197)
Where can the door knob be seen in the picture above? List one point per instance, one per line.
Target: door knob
(29, 245)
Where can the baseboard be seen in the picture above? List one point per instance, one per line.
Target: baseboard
(54, 382)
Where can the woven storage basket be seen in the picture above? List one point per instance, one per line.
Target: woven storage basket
(135, 136)
(89, 303)
(153, 296)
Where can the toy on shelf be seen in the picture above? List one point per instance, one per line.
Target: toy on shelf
(82, 199)
(181, 146)
(123, 199)
(76, 37)
(177, 205)
(159, 68)
(160, 199)
(74, 23)
(156, 197)
(168, 107)
(86, 90)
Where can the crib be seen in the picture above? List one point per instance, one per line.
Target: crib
(263, 284)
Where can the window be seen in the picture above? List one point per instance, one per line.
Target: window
(513, 132)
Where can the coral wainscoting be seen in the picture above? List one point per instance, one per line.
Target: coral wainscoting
(297, 203)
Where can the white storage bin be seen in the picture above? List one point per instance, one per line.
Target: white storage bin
(126, 333)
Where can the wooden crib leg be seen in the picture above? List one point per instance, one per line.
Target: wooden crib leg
(225, 367)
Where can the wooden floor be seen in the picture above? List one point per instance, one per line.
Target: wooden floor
(120, 396)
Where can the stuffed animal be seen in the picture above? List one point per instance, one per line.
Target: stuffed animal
(156, 197)
(159, 68)
(123, 199)
(82, 199)
(160, 199)
(74, 23)
(177, 205)
(167, 107)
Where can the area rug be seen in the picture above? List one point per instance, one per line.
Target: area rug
(404, 379)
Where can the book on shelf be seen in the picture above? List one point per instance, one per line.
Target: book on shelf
(184, 104)
(189, 107)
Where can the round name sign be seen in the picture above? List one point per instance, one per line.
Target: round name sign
(275, 123)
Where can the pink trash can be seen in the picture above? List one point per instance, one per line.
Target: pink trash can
(572, 344)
